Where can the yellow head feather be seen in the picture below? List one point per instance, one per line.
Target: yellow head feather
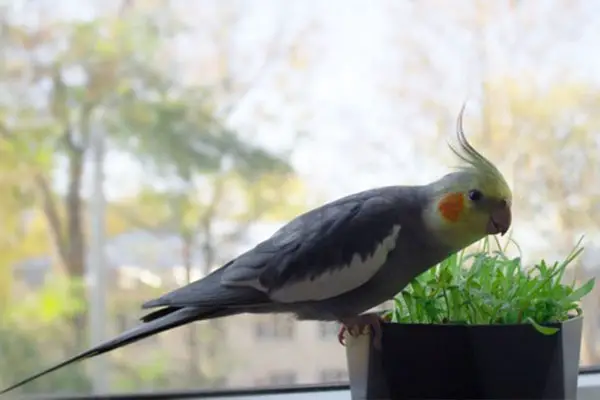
(495, 184)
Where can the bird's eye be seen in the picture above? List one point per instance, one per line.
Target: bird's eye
(475, 195)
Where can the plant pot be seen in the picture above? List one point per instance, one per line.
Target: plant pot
(420, 361)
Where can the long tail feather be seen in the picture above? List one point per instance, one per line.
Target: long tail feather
(169, 321)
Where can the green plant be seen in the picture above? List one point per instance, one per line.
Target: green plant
(488, 287)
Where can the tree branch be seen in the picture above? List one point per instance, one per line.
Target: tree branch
(273, 53)
(206, 224)
(51, 212)
(241, 229)
(73, 209)
(84, 125)
(139, 223)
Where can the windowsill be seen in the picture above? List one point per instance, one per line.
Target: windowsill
(589, 386)
(589, 389)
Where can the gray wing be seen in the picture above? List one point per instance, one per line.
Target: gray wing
(320, 254)
(324, 253)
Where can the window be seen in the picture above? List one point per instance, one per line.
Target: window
(215, 123)
(270, 327)
(328, 330)
(333, 375)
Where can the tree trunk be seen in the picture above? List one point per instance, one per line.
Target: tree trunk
(214, 326)
(69, 241)
(76, 246)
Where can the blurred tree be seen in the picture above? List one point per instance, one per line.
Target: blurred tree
(23, 313)
(235, 70)
(548, 137)
(236, 176)
(209, 215)
(492, 38)
(23, 351)
(22, 347)
(66, 78)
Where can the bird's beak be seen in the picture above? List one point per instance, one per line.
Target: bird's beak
(499, 221)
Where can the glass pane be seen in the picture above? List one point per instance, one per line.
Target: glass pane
(217, 122)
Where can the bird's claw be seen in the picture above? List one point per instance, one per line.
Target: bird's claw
(363, 324)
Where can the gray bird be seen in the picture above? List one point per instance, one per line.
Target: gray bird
(339, 260)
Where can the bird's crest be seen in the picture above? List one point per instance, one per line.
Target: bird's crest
(472, 157)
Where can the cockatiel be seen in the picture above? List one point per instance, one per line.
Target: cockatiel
(338, 261)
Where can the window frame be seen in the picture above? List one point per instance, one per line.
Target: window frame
(330, 375)
(588, 389)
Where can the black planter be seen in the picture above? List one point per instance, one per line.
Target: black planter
(466, 362)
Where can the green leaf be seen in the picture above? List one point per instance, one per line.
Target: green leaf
(418, 289)
(545, 330)
(410, 305)
(578, 294)
(398, 310)
(456, 304)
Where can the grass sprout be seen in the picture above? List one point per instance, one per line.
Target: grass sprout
(488, 287)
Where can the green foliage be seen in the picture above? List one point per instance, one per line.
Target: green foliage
(177, 136)
(23, 351)
(151, 373)
(31, 330)
(115, 72)
(488, 287)
(54, 301)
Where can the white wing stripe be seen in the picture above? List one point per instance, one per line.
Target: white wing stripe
(339, 280)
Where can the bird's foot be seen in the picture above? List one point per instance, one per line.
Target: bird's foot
(361, 324)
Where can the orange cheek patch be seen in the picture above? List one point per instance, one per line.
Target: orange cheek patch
(451, 206)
